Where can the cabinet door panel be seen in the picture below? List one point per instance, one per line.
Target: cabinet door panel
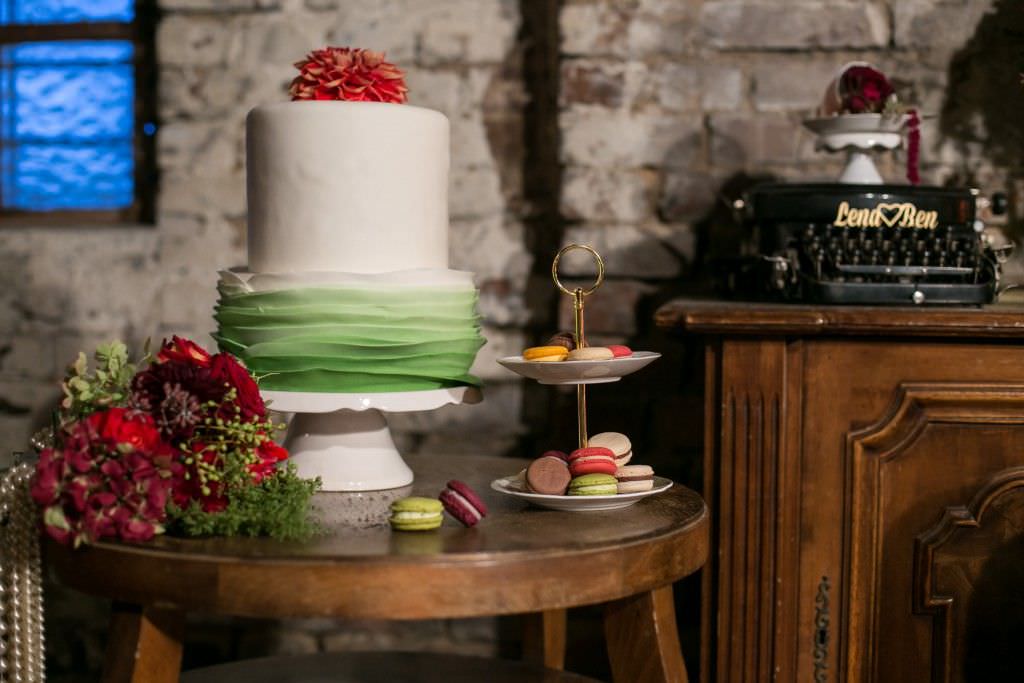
(855, 387)
(968, 577)
(937, 448)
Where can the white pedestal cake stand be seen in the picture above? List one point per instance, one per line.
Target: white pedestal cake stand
(344, 438)
(858, 135)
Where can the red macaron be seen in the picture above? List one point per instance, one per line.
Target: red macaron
(462, 503)
(620, 351)
(595, 460)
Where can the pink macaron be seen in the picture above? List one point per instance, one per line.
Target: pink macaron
(462, 503)
(620, 351)
(594, 460)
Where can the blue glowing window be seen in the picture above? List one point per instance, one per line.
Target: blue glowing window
(65, 11)
(67, 106)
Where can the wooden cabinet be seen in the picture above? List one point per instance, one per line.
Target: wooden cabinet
(865, 472)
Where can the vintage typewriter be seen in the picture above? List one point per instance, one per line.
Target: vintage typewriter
(867, 244)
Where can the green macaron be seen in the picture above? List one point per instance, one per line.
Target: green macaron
(593, 485)
(416, 514)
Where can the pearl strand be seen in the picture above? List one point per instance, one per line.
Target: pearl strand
(21, 615)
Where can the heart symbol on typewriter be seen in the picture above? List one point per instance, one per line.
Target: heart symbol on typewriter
(889, 213)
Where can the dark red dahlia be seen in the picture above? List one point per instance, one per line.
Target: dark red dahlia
(174, 394)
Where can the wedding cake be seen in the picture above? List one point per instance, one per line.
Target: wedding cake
(347, 287)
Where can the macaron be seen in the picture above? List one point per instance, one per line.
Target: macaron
(617, 443)
(593, 485)
(564, 339)
(545, 354)
(592, 460)
(557, 454)
(620, 351)
(635, 478)
(415, 514)
(590, 353)
(462, 503)
(549, 475)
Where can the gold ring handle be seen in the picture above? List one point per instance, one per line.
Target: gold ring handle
(597, 260)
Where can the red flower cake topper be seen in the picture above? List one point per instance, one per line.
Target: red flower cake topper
(353, 74)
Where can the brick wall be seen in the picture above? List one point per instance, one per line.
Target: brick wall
(616, 123)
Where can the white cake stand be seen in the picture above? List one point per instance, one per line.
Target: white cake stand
(344, 438)
(858, 135)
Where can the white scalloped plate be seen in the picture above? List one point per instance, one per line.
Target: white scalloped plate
(856, 123)
(579, 371)
(510, 487)
(388, 402)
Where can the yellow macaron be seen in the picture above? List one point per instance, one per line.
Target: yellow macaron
(546, 354)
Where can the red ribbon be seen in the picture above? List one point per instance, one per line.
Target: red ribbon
(913, 146)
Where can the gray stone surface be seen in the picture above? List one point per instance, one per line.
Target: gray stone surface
(796, 25)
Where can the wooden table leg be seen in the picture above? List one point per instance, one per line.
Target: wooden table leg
(544, 638)
(643, 642)
(143, 645)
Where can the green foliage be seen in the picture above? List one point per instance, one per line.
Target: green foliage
(277, 507)
(108, 385)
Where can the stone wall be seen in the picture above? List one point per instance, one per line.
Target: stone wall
(619, 123)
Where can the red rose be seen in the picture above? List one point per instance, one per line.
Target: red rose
(186, 351)
(124, 428)
(269, 454)
(864, 89)
(226, 369)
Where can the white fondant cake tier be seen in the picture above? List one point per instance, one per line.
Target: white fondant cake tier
(353, 187)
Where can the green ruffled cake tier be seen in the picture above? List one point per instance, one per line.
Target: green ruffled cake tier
(347, 339)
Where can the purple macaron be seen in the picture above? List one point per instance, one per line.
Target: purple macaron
(462, 503)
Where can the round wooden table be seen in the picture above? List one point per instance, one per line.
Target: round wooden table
(519, 560)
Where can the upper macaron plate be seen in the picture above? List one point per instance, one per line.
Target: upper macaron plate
(579, 371)
(512, 487)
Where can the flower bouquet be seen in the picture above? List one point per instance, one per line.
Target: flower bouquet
(180, 443)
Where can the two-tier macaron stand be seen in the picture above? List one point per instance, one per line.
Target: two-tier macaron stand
(580, 373)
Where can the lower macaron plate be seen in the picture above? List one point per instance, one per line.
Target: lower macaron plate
(512, 486)
(579, 371)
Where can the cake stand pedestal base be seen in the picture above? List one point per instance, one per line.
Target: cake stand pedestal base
(344, 438)
(349, 450)
(858, 135)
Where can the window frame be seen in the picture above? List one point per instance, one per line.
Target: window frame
(141, 31)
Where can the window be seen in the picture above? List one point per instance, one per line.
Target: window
(76, 111)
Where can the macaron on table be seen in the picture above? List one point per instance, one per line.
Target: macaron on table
(566, 358)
